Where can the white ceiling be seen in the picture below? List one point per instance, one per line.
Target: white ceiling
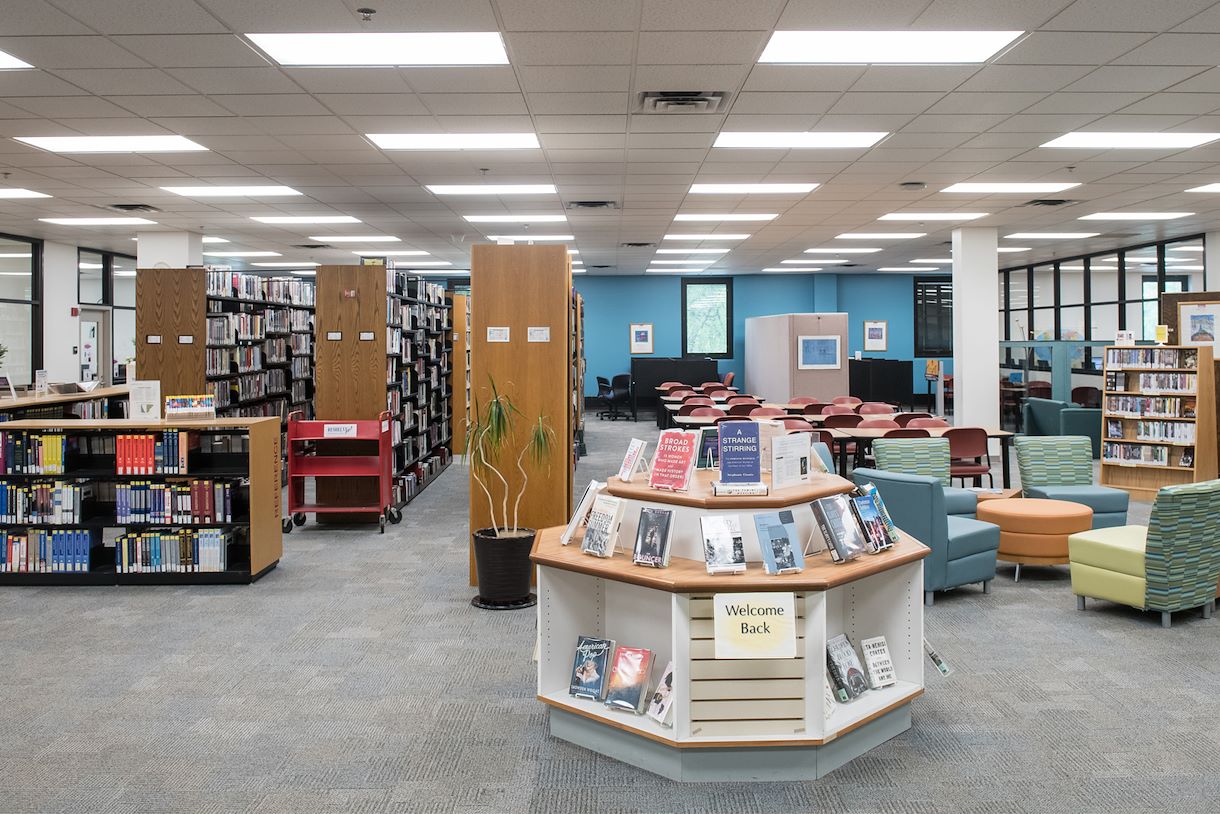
(128, 67)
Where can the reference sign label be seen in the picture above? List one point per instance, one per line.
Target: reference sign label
(755, 625)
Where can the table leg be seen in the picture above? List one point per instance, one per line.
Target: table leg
(842, 443)
(1005, 460)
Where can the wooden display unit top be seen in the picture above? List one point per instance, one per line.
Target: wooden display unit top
(76, 425)
(699, 494)
(685, 576)
(26, 402)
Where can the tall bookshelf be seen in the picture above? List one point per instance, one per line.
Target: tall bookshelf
(395, 359)
(227, 468)
(1158, 421)
(577, 361)
(460, 378)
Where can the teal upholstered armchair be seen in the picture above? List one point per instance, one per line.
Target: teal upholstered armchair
(1169, 565)
(929, 457)
(963, 549)
(1061, 468)
(1051, 417)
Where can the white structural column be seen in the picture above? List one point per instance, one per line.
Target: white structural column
(1211, 255)
(976, 333)
(60, 327)
(168, 250)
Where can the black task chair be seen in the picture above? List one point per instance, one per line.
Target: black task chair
(621, 395)
(606, 394)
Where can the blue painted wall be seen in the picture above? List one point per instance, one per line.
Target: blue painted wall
(613, 303)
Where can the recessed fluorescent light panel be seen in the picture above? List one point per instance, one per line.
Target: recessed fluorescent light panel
(305, 273)
(291, 219)
(983, 188)
(798, 140)
(878, 47)
(491, 189)
(1205, 188)
(355, 238)
(283, 265)
(99, 221)
(841, 251)
(794, 270)
(906, 268)
(21, 193)
(878, 235)
(210, 239)
(242, 254)
(705, 237)
(932, 260)
(1131, 141)
(454, 141)
(389, 49)
(683, 262)
(17, 254)
(725, 217)
(1186, 248)
(1050, 235)
(1136, 216)
(752, 189)
(112, 144)
(921, 216)
(692, 251)
(8, 62)
(822, 261)
(395, 253)
(89, 265)
(515, 218)
(1008, 249)
(524, 238)
(233, 192)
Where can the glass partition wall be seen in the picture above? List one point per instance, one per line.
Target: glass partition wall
(20, 323)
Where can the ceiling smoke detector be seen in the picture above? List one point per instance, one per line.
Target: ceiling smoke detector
(637, 245)
(132, 208)
(913, 186)
(682, 101)
(313, 246)
(366, 14)
(592, 204)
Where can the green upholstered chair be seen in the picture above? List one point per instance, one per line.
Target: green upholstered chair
(928, 457)
(1169, 565)
(1060, 467)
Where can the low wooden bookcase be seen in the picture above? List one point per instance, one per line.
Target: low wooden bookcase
(244, 452)
(735, 719)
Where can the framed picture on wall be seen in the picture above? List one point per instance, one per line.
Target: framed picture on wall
(1198, 322)
(818, 353)
(641, 337)
(876, 335)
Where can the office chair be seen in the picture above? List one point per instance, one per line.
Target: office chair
(623, 393)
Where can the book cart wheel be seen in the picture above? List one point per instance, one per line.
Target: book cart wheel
(394, 515)
(286, 525)
(299, 518)
(381, 523)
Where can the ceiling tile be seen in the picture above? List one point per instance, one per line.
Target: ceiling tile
(69, 107)
(685, 77)
(1117, 78)
(987, 15)
(781, 103)
(802, 77)
(206, 125)
(484, 79)
(968, 103)
(893, 78)
(823, 14)
(1022, 78)
(1185, 103)
(710, 15)
(574, 103)
(487, 104)
(236, 80)
(184, 105)
(1205, 82)
(571, 48)
(581, 124)
(1070, 48)
(575, 15)
(853, 102)
(193, 50)
(143, 16)
(1092, 15)
(1085, 102)
(699, 47)
(373, 104)
(281, 104)
(577, 78)
(35, 83)
(348, 80)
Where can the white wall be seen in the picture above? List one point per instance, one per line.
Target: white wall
(60, 330)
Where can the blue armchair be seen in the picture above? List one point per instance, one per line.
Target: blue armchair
(963, 549)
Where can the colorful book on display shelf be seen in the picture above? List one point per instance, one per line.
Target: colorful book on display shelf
(835, 522)
(661, 703)
(724, 549)
(845, 666)
(601, 535)
(740, 461)
(591, 667)
(877, 662)
(781, 552)
(582, 510)
(891, 530)
(653, 537)
(674, 460)
(709, 448)
(875, 533)
(628, 687)
(632, 461)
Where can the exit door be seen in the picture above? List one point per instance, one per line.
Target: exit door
(95, 352)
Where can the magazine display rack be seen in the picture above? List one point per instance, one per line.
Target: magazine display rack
(764, 719)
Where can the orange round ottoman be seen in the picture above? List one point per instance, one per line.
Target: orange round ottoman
(1035, 531)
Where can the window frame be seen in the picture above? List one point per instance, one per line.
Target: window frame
(921, 348)
(35, 301)
(727, 282)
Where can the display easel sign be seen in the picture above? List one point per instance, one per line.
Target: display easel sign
(632, 461)
(40, 383)
(755, 625)
(145, 400)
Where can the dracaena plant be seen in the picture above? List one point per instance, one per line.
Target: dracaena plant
(501, 436)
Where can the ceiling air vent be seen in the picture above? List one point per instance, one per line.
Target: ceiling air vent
(682, 101)
(592, 204)
(133, 208)
(313, 246)
(637, 245)
(599, 267)
(1048, 202)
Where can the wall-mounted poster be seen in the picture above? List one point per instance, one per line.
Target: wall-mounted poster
(1197, 323)
(818, 353)
(641, 337)
(876, 335)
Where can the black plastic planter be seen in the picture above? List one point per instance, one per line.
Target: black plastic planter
(504, 568)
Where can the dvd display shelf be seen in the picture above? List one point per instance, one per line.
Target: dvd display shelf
(733, 719)
(98, 403)
(1158, 417)
(231, 458)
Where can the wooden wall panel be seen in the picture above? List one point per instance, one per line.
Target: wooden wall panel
(519, 287)
(349, 374)
(266, 533)
(457, 379)
(171, 303)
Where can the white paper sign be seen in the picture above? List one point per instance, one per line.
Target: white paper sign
(334, 336)
(790, 459)
(366, 336)
(145, 400)
(755, 625)
(499, 334)
(535, 334)
(339, 431)
(185, 339)
(153, 339)
(1124, 339)
(40, 383)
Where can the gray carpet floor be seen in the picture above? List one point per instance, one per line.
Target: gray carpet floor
(356, 677)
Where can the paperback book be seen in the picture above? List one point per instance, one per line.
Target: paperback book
(877, 662)
(845, 667)
(632, 461)
(790, 460)
(724, 549)
(653, 536)
(661, 702)
(870, 520)
(674, 460)
(835, 521)
(768, 431)
(582, 510)
(709, 448)
(740, 461)
(891, 530)
(777, 538)
(601, 535)
(591, 667)
(628, 687)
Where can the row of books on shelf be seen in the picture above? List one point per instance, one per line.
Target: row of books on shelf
(847, 525)
(282, 290)
(191, 502)
(1168, 382)
(299, 321)
(46, 551)
(223, 361)
(408, 485)
(1151, 358)
(301, 368)
(273, 406)
(299, 391)
(300, 344)
(1137, 454)
(249, 386)
(1151, 406)
(849, 679)
(50, 503)
(229, 329)
(32, 453)
(154, 453)
(172, 551)
(1169, 432)
(619, 676)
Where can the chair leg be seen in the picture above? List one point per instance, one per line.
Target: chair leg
(1080, 603)
(1207, 610)
(928, 598)
(1166, 619)
(1016, 576)
(986, 586)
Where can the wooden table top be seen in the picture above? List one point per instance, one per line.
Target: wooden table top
(691, 577)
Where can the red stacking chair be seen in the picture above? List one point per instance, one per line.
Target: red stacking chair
(837, 421)
(967, 450)
(851, 400)
(701, 411)
(904, 419)
(874, 408)
(907, 432)
(728, 378)
(767, 412)
(838, 409)
(927, 423)
(743, 410)
(878, 424)
(797, 425)
(698, 401)
(742, 400)
(815, 408)
(802, 400)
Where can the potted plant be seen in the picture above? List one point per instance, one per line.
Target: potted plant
(502, 437)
